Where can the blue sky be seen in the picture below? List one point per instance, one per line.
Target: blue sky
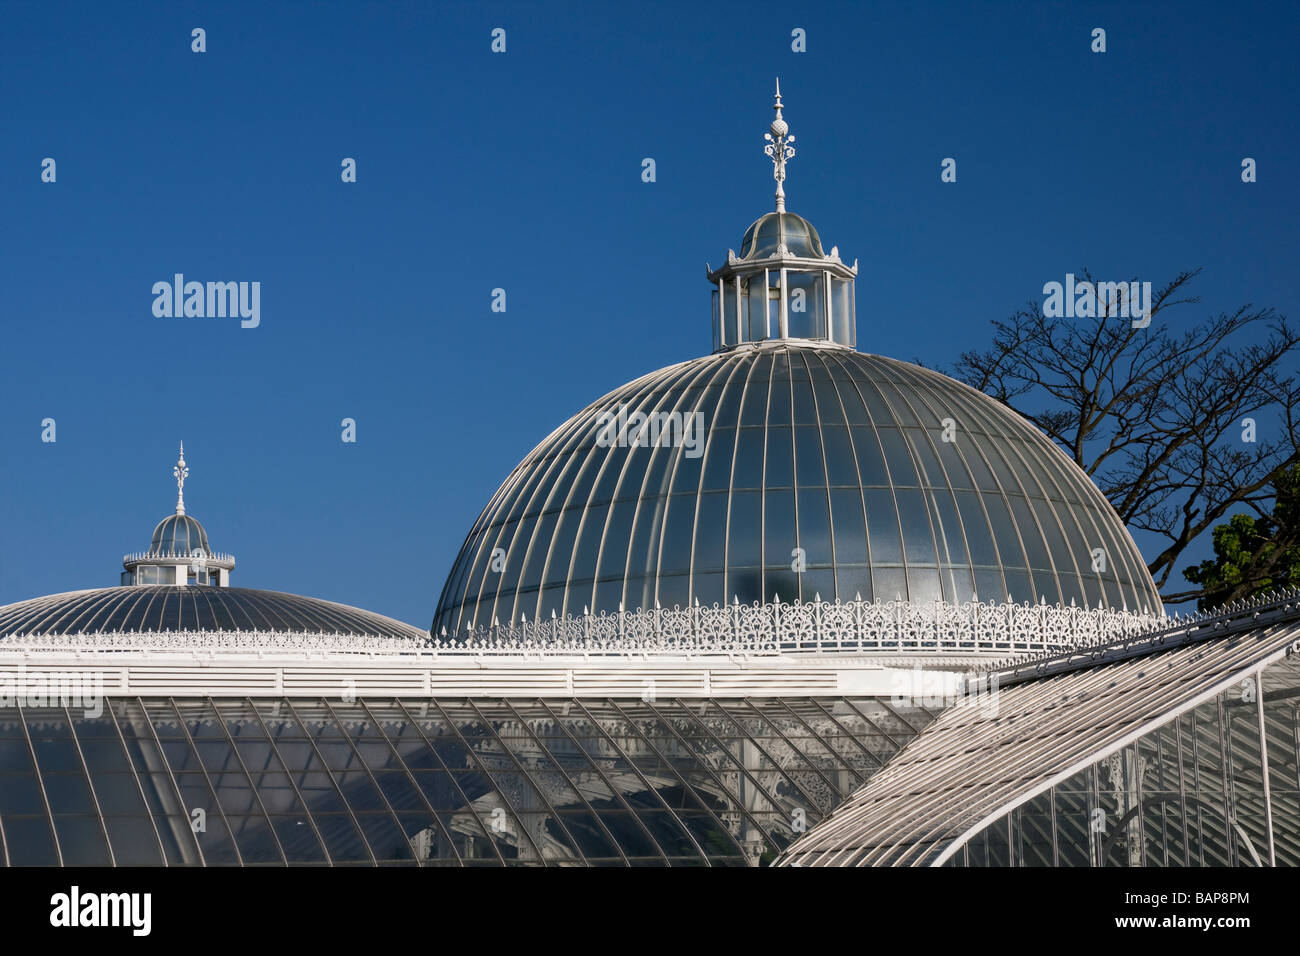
(522, 171)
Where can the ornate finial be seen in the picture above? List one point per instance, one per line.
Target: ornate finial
(778, 148)
(180, 473)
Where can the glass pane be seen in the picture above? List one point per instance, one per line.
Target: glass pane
(756, 299)
(842, 311)
(806, 311)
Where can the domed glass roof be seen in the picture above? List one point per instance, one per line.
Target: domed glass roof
(769, 232)
(178, 535)
(835, 453)
(142, 609)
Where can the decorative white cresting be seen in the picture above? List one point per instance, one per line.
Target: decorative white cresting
(859, 626)
(778, 147)
(180, 473)
(895, 629)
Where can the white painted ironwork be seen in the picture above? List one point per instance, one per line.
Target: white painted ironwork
(384, 671)
(180, 473)
(779, 149)
(236, 640)
(214, 559)
(1251, 612)
(892, 628)
(858, 626)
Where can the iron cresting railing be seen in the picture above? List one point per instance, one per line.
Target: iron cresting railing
(817, 626)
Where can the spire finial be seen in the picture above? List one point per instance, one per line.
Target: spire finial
(180, 473)
(778, 140)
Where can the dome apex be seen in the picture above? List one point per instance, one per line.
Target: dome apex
(781, 234)
(783, 285)
(178, 552)
(178, 535)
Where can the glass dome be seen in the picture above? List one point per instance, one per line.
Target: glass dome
(178, 535)
(128, 610)
(768, 233)
(791, 470)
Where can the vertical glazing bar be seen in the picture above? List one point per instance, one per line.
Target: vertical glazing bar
(1263, 766)
(829, 317)
(1295, 736)
(784, 313)
(1134, 784)
(1052, 825)
(721, 317)
(1182, 792)
(94, 797)
(767, 305)
(1163, 802)
(1196, 788)
(1094, 804)
(40, 782)
(740, 314)
(1225, 768)
(853, 315)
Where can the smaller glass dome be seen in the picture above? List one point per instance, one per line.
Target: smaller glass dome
(769, 232)
(178, 535)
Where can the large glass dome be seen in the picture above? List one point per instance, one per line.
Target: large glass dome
(876, 477)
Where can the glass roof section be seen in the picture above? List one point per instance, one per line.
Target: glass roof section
(892, 481)
(1093, 733)
(163, 608)
(383, 781)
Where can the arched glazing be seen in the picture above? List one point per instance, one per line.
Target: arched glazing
(818, 471)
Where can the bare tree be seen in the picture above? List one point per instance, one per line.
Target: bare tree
(1155, 414)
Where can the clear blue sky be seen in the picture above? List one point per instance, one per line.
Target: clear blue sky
(523, 171)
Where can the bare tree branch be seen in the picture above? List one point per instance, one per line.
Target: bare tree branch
(1155, 415)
